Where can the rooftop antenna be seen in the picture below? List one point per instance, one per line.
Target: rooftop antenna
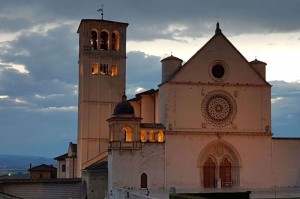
(101, 10)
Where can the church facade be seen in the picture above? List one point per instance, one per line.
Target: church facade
(208, 125)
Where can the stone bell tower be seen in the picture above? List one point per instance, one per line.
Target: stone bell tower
(102, 72)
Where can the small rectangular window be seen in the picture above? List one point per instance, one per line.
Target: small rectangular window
(63, 168)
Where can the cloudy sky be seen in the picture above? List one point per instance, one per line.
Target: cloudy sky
(39, 54)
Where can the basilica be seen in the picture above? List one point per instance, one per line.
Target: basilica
(208, 125)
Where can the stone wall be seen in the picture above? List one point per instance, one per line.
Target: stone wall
(118, 193)
(45, 189)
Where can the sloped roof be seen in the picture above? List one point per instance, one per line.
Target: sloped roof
(100, 165)
(7, 196)
(218, 33)
(43, 167)
(147, 92)
(61, 157)
(73, 147)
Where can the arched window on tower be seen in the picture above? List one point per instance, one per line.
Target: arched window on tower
(104, 69)
(104, 40)
(128, 134)
(95, 69)
(94, 40)
(114, 70)
(115, 41)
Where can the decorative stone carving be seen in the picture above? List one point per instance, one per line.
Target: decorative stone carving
(218, 150)
(219, 108)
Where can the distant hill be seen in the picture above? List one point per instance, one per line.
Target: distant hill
(23, 162)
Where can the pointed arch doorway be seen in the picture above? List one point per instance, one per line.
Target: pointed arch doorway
(219, 165)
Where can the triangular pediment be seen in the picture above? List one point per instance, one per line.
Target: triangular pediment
(218, 61)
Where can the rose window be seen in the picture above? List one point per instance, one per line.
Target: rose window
(219, 107)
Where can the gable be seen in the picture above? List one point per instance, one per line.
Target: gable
(218, 56)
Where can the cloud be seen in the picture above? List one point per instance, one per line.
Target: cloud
(285, 108)
(69, 108)
(277, 100)
(143, 72)
(39, 54)
(152, 20)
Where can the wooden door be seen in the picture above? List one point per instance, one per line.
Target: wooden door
(225, 173)
(209, 174)
(144, 180)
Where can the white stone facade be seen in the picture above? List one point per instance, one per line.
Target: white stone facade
(208, 125)
(216, 113)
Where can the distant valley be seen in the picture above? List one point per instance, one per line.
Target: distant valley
(23, 162)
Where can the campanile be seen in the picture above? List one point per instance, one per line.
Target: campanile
(102, 73)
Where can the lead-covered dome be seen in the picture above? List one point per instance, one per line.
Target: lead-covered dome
(124, 107)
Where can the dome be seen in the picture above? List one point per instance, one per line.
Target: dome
(124, 107)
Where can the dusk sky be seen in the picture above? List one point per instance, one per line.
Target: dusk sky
(39, 55)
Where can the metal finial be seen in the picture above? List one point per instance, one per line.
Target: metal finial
(101, 10)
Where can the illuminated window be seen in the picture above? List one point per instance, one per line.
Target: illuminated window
(115, 41)
(104, 40)
(143, 136)
(104, 69)
(95, 69)
(94, 40)
(152, 136)
(128, 134)
(114, 70)
(160, 136)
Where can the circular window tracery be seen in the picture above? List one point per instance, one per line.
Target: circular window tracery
(219, 107)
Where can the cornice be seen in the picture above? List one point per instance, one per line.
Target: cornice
(219, 134)
(218, 84)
